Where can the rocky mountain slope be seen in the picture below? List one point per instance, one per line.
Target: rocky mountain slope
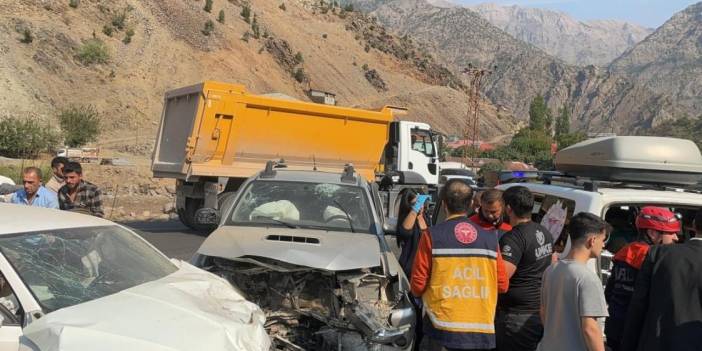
(670, 60)
(599, 100)
(576, 42)
(44, 67)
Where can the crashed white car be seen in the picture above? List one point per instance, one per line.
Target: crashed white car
(76, 282)
(309, 248)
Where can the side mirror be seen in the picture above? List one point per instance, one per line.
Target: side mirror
(390, 226)
(207, 216)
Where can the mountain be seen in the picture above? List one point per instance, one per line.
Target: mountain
(600, 101)
(53, 55)
(670, 60)
(576, 42)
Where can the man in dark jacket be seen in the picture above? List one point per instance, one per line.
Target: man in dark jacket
(656, 226)
(665, 312)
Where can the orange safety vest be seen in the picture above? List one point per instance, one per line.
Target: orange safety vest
(461, 295)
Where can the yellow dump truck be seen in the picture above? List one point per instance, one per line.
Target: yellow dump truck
(214, 135)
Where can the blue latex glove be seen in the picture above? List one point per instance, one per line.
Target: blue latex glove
(421, 199)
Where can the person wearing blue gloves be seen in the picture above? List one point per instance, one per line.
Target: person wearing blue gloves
(410, 222)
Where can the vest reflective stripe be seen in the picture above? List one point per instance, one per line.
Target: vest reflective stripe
(463, 252)
(483, 327)
(461, 295)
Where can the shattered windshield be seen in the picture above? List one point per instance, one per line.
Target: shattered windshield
(305, 205)
(66, 267)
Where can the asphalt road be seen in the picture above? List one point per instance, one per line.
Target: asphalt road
(171, 237)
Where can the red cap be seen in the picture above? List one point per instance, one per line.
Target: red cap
(657, 218)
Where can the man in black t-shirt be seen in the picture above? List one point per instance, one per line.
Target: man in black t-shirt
(526, 251)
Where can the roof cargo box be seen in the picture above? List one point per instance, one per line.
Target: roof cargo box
(634, 159)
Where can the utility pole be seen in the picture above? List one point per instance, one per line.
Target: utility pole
(476, 76)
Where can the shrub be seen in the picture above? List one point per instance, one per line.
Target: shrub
(300, 75)
(208, 6)
(282, 7)
(93, 51)
(73, 3)
(27, 36)
(128, 36)
(298, 58)
(255, 28)
(22, 137)
(80, 124)
(348, 8)
(119, 19)
(220, 18)
(364, 67)
(209, 27)
(107, 30)
(246, 13)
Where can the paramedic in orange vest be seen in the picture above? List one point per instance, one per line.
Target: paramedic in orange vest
(458, 272)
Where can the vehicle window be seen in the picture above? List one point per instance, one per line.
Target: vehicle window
(309, 205)
(622, 217)
(10, 308)
(66, 267)
(422, 142)
(554, 213)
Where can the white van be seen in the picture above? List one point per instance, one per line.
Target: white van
(613, 178)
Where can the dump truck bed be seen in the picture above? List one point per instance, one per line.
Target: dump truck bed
(219, 130)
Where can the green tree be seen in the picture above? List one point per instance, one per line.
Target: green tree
(220, 18)
(208, 6)
(563, 122)
(298, 58)
(128, 36)
(348, 8)
(73, 3)
(25, 137)
(282, 7)
(538, 113)
(80, 124)
(246, 13)
(568, 139)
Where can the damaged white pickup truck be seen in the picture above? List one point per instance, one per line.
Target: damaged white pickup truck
(308, 248)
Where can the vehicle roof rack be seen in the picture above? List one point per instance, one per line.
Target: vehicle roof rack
(269, 172)
(348, 176)
(589, 184)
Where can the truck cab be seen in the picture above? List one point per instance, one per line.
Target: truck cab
(411, 148)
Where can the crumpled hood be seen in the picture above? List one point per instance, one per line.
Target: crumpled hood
(334, 251)
(187, 310)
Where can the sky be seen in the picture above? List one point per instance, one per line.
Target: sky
(649, 13)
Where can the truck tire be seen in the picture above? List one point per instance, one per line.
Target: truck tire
(187, 214)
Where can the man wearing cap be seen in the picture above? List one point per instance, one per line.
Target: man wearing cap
(656, 226)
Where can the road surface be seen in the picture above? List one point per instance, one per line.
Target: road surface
(171, 237)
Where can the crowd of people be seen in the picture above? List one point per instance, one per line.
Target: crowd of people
(66, 189)
(487, 278)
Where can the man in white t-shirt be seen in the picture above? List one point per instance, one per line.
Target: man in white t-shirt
(572, 298)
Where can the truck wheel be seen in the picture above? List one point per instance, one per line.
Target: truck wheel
(187, 216)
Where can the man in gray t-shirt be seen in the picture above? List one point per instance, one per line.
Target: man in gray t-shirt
(572, 297)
